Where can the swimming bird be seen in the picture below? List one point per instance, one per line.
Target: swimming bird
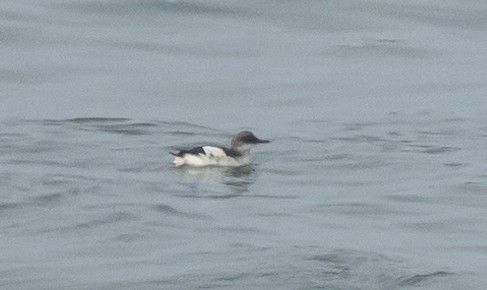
(237, 155)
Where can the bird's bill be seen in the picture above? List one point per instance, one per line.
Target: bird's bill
(262, 141)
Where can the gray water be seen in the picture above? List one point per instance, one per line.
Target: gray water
(376, 176)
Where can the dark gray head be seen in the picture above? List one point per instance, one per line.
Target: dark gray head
(246, 138)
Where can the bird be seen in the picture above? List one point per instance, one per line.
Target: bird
(237, 155)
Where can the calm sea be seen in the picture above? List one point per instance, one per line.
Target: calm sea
(376, 176)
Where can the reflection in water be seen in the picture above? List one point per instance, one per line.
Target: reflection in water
(235, 178)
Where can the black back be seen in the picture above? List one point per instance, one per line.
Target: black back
(194, 151)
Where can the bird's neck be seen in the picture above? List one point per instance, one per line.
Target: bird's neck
(243, 149)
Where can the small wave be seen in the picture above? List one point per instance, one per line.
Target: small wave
(123, 129)
(429, 149)
(455, 164)
(111, 218)
(440, 133)
(361, 139)
(242, 229)
(440, 149)
(86, 120)
(169, 210)
(167, 7)
(128, 237)
(409, 198)
(210, 196)
(359, 209)
(235, 277)
(417, 279)
(382, 49)
(4, 206)
(440, 226)
(48, 198)
(472, 187)
(122, 126)
(181, 128)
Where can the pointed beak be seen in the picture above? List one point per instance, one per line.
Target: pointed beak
(262, 141)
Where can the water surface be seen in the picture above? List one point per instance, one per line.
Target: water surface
(375, 177)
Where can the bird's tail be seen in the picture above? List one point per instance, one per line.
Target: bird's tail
(178, 161)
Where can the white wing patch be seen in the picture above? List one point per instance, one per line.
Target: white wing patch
(216, 152)
(212, 156)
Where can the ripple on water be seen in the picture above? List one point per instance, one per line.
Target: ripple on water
(418, 279)
(128, 238)
(111, 218)
(442, 225)
(429, 149)
(477, 188)
(48, 199)
(410, 198)
(90, 120)
(348, 269)
(166, 7)
(455, 164)
(123, 126)
(5, 206)
(169, 210)
(359, 209)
